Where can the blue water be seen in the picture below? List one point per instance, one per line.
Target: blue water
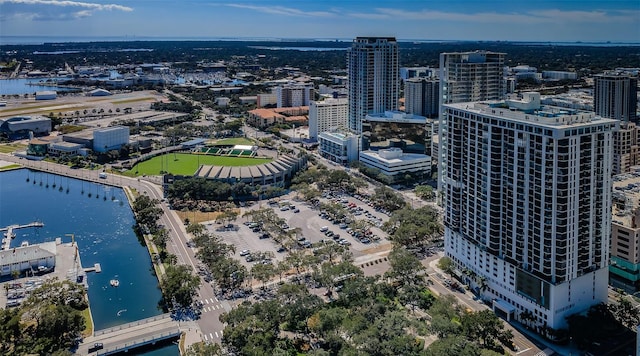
(103, 231)
(21, 86)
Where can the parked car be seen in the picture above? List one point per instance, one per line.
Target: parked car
(324, 228)
(244, 252)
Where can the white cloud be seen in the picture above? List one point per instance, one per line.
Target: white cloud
(48, 10)
(281, 10)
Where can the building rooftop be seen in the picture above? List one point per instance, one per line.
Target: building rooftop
(27, 253)
(528, 108)
(626, 197)
(394, 156)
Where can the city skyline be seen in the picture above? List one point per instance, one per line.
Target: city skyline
(591, 21)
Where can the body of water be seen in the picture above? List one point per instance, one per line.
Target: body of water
(27, 86)
(101, 221)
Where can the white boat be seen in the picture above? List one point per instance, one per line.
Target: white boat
(114, 282)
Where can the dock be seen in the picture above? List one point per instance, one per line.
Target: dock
(9, 234)
(96, 268)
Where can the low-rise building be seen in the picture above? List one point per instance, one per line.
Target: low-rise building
(26, 258)
(46, 95)
(22, 126)
(394, 163)
(339, 147)
(110, 138)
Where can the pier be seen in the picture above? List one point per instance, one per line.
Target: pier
(9, 234)
(96, 268)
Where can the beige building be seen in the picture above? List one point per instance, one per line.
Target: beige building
(625, 148)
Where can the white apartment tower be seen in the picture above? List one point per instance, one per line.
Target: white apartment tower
(421, 97)
(327, 115)
(372, 63)
(467, 77)
(528, 205)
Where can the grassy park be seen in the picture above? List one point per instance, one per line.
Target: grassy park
(187, 164)
(232, 141)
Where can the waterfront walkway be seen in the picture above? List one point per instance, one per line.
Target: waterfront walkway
(125, 337)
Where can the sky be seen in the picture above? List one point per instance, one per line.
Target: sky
(486, 20)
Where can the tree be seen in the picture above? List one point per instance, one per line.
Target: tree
(486, 327)
(453, 345)
(179, 286)
(160, 238)
(625, 313)
(446, 265)
(406, 268)
(263, 272)
(424, 192)
(204, 349)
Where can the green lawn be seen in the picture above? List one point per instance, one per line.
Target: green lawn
(233, 141)
(187, 164)
(11, 147)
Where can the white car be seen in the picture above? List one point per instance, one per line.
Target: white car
(324, 228)
(244, 252)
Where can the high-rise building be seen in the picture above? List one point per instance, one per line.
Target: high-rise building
(421, 97)
(372, 63)
(327, 115)
(467, 77)
(527, 201)
(615, 97)
(294, 95)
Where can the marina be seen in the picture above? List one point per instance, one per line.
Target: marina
(104, 241)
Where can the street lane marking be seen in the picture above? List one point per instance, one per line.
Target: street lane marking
(205, 337)
(216, 299)
(207, 300)
(216, 334)
(210, 334)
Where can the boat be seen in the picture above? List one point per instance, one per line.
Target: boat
(114, 282)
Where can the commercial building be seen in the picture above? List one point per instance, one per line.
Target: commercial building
(339, 147)
(110, 138)
(327, 115)
(467, 77)
(625, 232)
(616, 96)
(22, 126)
(46, 95)
(421, 97)
(626, 150)
(395, 129)
(372, 64)
(527, 201)
(292, 95)
(395, 164)
(266, 99)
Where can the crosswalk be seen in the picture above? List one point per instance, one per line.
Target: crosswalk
(212, 336)
(211, 308)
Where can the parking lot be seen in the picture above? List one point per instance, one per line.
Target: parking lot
(252, 246)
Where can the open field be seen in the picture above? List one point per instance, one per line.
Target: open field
(12, 147)
(187, 164)
(232, 141)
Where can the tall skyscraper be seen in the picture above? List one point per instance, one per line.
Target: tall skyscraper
(467, 77)
(527, 201)
(615, 97)
(421, 97)
(372, 63)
